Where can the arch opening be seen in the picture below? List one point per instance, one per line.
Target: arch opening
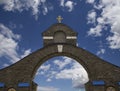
(61, 73)
(56, 54)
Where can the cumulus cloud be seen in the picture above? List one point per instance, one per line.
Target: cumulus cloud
(90, 1)
(62, 2)
(101, 51)
(78, 81)
(63, 63)
(67, 4)
(70, 5)
(20, 5)
(76, 73)
(65, 74)
(5, 65)
(48, 88)
(96, 31)
(48, 80)
(91, 16)
(35, 6)
(9, 45)
(109, 17)
(45, 67)
(114, 41)
(26, 52)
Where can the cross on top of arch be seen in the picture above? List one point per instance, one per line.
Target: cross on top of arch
(59, 18)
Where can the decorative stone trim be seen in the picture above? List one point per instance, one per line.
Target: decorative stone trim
(60, 48)
(47, 37)
(71, 37)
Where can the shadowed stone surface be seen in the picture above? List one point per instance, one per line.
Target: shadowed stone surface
(25, 69)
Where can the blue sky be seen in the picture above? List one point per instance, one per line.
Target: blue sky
(22, 22)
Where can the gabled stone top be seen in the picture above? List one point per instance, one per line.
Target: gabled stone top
(59, 33)
(59, 27)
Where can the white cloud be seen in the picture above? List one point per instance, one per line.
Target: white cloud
(67, 4)
(65, 74)
(114, 41)
(41, 73)
(35, 6)
(90, 1)
(101, 51)
(48, 80)
(20, 5)
(62, 2)
(110, 15)
(91, 16)
(51, 74)
(9, 45)
(45, 11)
(76, 73)
(45, 67)
(100, 20)
(43, 88)
(26, 53)
(8, 33)
(79, 81)
(63, 63)
(5, 65)
(96, 31)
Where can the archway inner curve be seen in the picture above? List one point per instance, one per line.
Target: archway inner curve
(55, 54)
(61, 69)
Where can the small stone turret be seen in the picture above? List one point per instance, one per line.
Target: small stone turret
(59, 33)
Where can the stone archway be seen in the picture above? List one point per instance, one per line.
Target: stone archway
(23, 71)
(67, 51)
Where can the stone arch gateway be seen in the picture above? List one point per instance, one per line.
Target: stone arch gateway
(103, 76)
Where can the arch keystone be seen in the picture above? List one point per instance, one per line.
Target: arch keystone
(60, 48)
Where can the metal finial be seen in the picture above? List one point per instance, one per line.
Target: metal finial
(59, 18)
